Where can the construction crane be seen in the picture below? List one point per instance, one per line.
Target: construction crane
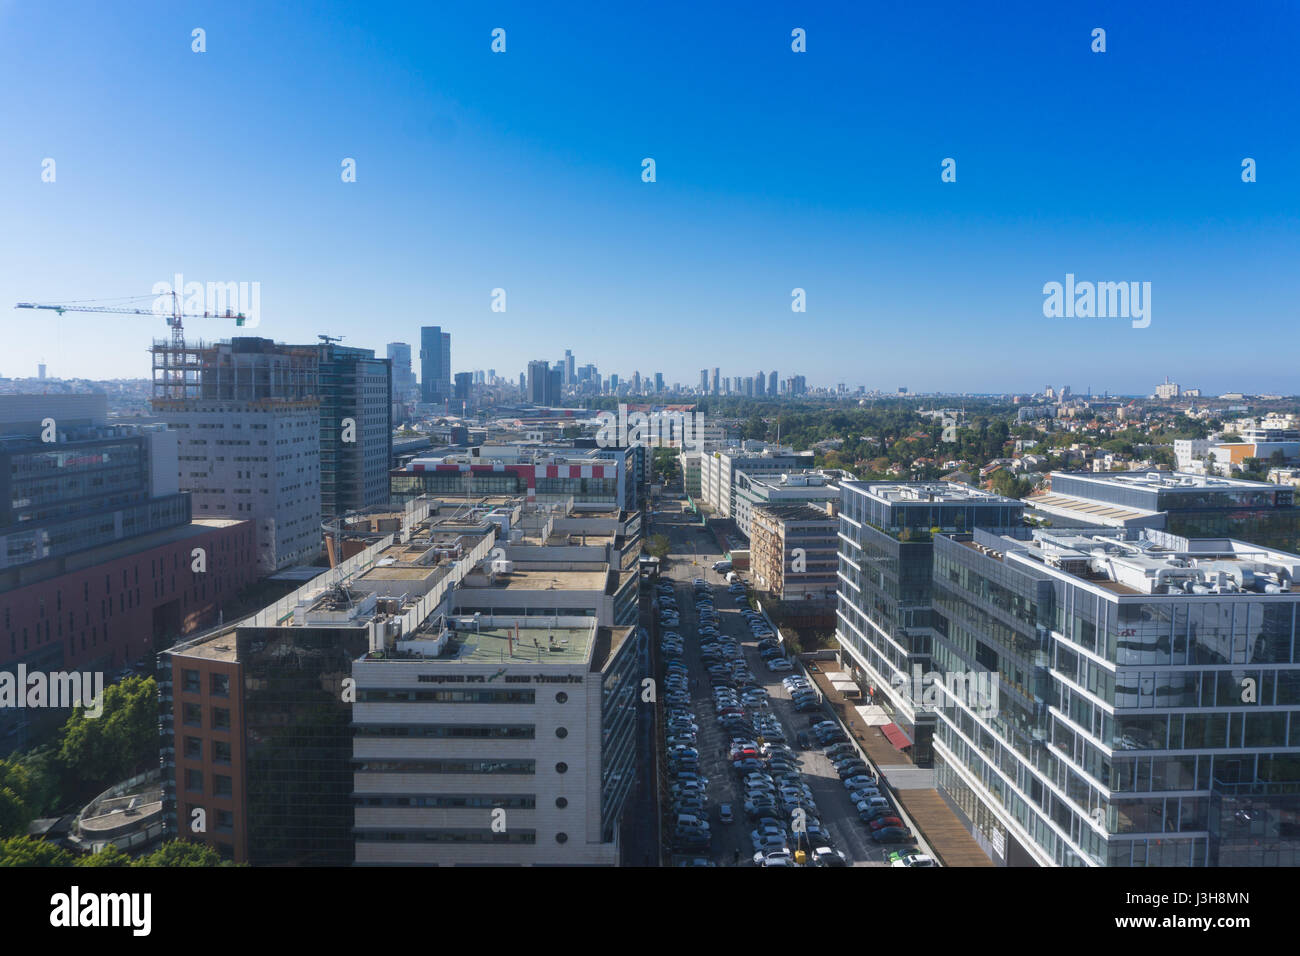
(327, 339)
(174, 320)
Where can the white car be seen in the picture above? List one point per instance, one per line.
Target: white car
(917, 859)
(780, 664)
(773, 858)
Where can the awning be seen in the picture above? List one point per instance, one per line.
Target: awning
(895, 736)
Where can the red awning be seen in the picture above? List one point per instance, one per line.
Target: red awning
(896, 736)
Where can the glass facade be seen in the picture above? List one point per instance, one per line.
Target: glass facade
(1121, 718)
(298, 738)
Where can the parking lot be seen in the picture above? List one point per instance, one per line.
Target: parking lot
(793, 792)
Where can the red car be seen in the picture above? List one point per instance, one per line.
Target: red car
(883, 822)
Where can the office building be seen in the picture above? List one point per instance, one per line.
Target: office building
(100, 558)
(884, 625)
(505, 741)
(761, 487)
(1144, 683)
(247, 415)
(435, 365)
(404, 385)
(760, 381)
(356, 429)
(257, 719)
(719, 471)
(1194, 506)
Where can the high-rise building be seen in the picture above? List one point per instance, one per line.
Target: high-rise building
(771, 382)
(659, 381)
(464, 382)
(248, 416)
(704, 380)
(716, 390)
(539, 374)
(404, 386)
(435, 365)
(760, 381)
(569, 377)
(356, 429)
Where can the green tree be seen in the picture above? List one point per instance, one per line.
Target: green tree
(109, 856)
(659, 546)
(121, 741)
(28, 851)
(181, 853)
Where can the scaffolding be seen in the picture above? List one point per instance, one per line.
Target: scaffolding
(246, 370)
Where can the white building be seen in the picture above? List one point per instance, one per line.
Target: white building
(503, 742)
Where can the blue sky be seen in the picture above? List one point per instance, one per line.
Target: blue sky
(775, 170)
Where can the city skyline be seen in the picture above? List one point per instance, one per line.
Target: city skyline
(477, 172)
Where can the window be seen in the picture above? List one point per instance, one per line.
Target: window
(221, 718)
(221, 786)
(190, 682)
(192, 715)
(225, 821)
(194, 781)
(194, 748)
(221, 751)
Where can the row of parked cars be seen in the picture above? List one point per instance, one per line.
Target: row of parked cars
(688, 823)
(883, 823)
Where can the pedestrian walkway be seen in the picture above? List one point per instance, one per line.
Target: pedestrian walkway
(912, 786)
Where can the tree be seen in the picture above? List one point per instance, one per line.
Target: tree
(181, 853)
(659, 546)
(28, 851)
(122, 740)
(109, 856)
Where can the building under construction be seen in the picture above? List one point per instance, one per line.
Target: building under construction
(248, 414)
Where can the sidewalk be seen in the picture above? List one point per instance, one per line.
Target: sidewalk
(935, 821)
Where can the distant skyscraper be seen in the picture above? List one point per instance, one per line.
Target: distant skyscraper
(435, 365)
(659, 381)
(715, 381)
(570, 378)
(354, 387)
(399, 354)
(759, 380)
(464, 381)
(539, 372)
(771, 382)
(704, 380)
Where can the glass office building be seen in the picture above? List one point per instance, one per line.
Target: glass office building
(885, 557)
(1196, 506)
(1148, 706)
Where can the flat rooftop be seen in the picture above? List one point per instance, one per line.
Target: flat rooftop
(1093, 510)
(535, 645)
(1165, 480)
(218, 647)
(927, 492)
(539, 579)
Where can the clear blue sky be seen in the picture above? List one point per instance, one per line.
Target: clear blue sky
(522, 170)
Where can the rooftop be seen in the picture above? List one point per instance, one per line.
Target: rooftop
(1165, 480)
(937, 492)
(545, 645)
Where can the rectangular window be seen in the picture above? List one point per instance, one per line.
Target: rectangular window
(219, 685)
(194, 781)
(221, 718)
(221, 786)
(190, 682)
(194, 748)
(221, 751)
(192, 715)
